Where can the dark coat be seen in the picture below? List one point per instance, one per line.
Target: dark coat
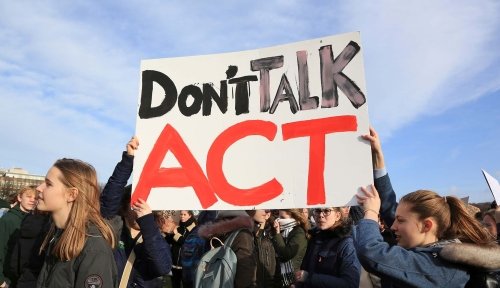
(330, 259)
(266, 258)
(243, 246)
(93, 265)
(27, 250)
(10, 224)
(153, 258)
(294, 248)
(177, 238)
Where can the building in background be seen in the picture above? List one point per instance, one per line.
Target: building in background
(11, 180)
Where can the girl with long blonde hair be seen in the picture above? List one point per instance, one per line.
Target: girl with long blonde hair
(78, 246)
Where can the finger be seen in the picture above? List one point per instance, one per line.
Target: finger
(365, 192)
(374, 191)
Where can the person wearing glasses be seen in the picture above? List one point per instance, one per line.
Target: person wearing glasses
(330, 259)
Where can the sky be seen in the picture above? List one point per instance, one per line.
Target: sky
(70, 74)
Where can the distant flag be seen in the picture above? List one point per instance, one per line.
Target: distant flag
(493, 184)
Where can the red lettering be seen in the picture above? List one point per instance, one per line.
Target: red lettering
(189, 174)
(316, 129)
(226, 191)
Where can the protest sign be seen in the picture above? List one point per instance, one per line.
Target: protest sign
(493, 185)
(276, 127)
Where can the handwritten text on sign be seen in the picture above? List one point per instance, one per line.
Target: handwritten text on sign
(244, 130)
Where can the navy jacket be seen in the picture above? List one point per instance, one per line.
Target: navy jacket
(330, 260)
(153, 257)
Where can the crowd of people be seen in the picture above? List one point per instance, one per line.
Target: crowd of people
(68, 233)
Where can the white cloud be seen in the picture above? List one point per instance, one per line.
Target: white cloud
(420, 53)
(69, 72)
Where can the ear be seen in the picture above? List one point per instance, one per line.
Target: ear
(338, 214)
(428, 226)
(71, 194)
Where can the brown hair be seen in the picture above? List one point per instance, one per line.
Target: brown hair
(299, 217)
(86, 209)
(451, 216)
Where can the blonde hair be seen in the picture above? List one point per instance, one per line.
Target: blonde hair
(85, 210)
(451, 216)
(27, 189)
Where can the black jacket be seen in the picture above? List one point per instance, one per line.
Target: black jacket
(93, 266)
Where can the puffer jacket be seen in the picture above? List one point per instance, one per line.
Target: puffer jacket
(330, 259)
(243, 246)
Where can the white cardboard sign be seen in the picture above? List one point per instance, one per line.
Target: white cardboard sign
(276, 127)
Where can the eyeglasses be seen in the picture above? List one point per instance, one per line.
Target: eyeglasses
(325, 211)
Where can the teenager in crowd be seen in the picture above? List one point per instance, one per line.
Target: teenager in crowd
(137, 230)
(330, 259)
(428, 229)
(290, 243)
(266, 256)
(10, 225)
(176, 239)
(78, 246)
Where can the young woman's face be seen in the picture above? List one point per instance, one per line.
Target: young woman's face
(184, 216)
(285, 215)
(490, 224)
(260, 216)
(27, 201)
(305, 213)
(408, 228)
(326, 218)
(52, 194)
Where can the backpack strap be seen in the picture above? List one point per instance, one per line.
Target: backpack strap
(130, 263)
(232, 236)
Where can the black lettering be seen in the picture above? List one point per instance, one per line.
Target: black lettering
(283, 93)
(197, 95)
(145, 109)
(242, 93)
(264, 65)
(209, 93)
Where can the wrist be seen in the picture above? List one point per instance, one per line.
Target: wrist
(371, 214)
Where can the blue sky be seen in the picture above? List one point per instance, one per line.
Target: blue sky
(69, 75)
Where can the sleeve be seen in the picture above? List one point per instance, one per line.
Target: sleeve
(349, 271)
(246, 269)
(387, 199)
(112, 193)
(407, 267)
(96, 267)
(155, 252)
(4, 237)
(286, 251)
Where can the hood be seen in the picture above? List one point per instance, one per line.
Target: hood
(484, 257)
(224, 226)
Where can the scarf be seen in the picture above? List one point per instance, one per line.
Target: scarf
(287, 269)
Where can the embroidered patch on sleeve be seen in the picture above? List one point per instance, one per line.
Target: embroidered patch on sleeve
(93, 281)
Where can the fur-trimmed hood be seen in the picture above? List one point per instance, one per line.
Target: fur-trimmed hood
(483, 257)
(224, 226)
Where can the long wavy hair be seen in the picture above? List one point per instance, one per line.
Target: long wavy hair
(451, 215)
(85, 210)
